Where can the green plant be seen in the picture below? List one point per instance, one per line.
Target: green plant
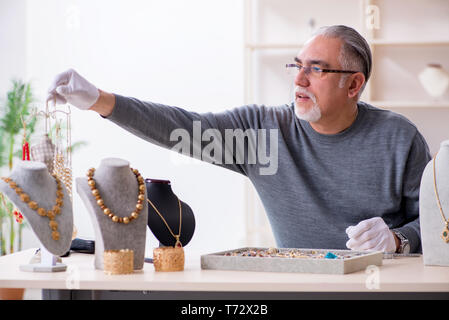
(16, 109)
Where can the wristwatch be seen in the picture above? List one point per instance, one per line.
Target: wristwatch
(404, 247)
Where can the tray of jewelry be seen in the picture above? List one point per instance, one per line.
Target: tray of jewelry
(327, 261)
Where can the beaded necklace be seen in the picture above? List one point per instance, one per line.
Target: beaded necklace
(50, 214)
(96, 193)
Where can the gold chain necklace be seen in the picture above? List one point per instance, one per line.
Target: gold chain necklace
(96, 193)
(176, 236)
(51, 214)
(445, 233)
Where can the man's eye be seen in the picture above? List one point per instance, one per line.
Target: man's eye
(316, 69)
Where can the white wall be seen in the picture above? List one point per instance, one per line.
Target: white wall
(183, 53)
(12, 43)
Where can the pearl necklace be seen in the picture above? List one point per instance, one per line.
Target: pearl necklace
(96, 193)
(51, 214)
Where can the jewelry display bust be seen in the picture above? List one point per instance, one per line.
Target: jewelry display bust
(118, 188)
(434, 208)
(161, 195)
(34, 192)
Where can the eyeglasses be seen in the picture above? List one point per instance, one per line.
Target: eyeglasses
(317, 72)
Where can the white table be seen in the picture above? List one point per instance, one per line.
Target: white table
(400, 276)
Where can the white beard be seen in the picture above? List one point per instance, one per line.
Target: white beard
(313, 114)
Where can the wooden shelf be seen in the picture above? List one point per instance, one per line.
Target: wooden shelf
(409, 104)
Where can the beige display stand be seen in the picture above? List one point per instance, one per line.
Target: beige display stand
(35, 180)
(119, 189)
(435, 249)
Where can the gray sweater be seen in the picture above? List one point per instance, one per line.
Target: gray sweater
(314, 186)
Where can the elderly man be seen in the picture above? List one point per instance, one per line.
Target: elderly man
(348, 173)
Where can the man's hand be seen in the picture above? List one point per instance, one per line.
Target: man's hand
(371, 234)
(70, 87)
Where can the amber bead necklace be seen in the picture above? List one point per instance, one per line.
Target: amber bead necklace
(115, 218)
(51, 214)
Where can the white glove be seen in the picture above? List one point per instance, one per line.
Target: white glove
(70, 87)
(371, 234)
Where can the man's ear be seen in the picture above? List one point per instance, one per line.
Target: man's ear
(355, 85)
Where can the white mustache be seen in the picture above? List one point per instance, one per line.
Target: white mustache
(303, 91)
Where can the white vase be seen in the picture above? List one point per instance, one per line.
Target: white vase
(435, 249)
(434, 79)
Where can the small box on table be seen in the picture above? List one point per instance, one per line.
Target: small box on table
(327, 261)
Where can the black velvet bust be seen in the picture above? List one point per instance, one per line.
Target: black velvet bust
(160, 193)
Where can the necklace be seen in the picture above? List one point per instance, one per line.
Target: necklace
(176, 236)
(51, 214)
(96, 193)
(445, 233)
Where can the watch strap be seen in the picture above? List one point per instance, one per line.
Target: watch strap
(404, 246)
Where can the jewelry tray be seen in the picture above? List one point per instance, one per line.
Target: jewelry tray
(292, 260)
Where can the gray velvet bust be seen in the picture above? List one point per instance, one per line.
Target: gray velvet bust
(435, 249)
(118, 188)
(35, 180)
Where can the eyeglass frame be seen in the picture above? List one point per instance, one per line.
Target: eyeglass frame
(290, 65)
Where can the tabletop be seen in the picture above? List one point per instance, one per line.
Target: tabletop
(405, 274)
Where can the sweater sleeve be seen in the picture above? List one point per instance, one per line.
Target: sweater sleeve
(199, 135)
(418, 158)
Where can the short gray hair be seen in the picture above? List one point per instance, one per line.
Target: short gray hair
(355, 52)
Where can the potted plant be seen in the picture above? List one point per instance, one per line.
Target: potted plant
(15, 115)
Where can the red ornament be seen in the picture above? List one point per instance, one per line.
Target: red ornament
(26, 151)
(18, 216)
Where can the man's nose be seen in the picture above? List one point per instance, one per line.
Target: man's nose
(301, 79)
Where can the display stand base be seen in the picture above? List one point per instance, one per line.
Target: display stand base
(47, 262)
(37, 267)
